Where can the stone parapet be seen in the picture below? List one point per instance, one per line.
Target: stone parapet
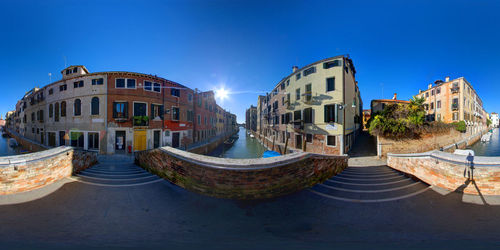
(477, 175)
(27, 172)
(241, 178)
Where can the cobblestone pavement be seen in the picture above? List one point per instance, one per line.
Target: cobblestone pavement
(156, 214)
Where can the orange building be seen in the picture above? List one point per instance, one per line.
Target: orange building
(452, 101)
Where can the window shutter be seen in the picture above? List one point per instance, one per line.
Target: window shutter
(151, 111)
(114, 110)
(161, 111)
(326, 113)
(335, 112)
(125, 110)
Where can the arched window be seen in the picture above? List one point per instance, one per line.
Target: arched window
(77, 108)
(56, 112)
(51, 110)
(63, 109)
(95, 106)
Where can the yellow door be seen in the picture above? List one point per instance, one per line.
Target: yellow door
(139, 140)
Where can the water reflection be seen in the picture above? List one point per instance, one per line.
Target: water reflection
(491, 148)
(244, 147)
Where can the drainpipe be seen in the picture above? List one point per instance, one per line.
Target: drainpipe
(342, 142)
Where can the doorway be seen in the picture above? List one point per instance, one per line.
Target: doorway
(175, 139)
(298, 141)
(156, 139)
(120, 141)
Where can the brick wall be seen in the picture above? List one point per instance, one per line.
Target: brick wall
(23, 173)
(450, 171)
(241, 178)
(450, 140)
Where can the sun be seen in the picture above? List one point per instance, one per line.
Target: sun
(221, 94)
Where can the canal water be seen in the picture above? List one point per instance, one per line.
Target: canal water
(491, 148)
(244, 147)
(5, 149)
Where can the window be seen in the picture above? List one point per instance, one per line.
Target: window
(297, 94)
(98, 81)
(190, 97)
(78, 84)
(63, 109)
(199, 119)
(282, 86)
(62, 140)
(297, 115)
(175, 92)
(120, 83)
(40, 116)
(140, 109)
(330, 84)
(190, 116)
(308, 92)
(331, 113)
(205, 118)
(120, 109)
(56, 112)
(331, 140)
(438, 104)
(426, 94)
(331, 64)
(68, 71)
(309, 71)
(455, 116)
(51, 91)
(130, 83)
(438, 91)
(432, 92)
(33, 130)
(454, 104)
(308, 115)
(156, 111)
(156, 87)
(432, 105)
(287, 82)
(148, 86)
(75, 70)
(93, 141)
(51, 110)
(309, 138)
(297, 76)
(77, 109)
(94, 109)
(77, 139)
(63, 87)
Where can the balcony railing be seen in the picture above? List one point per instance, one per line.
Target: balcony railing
(455, 90)
(454, 107)
(141, 121)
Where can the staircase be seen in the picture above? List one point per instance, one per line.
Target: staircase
(116, 171)
(369, 184)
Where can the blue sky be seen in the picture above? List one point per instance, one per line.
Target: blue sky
(248, 46)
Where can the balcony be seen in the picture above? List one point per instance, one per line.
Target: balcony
(454, 107)
(455, 89)
(141, 121)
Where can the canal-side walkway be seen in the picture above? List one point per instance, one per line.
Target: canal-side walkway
(157, 214)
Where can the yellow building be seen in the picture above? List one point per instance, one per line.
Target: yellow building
(318, 107)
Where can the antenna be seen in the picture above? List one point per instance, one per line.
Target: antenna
(382, 87)
(65, 64)
(50, 77)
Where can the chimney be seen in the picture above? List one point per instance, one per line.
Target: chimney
(447, 79)
(419, 91)
(395, 97)
(294, 69)
(430, 85)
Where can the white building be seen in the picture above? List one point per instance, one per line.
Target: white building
(494, 120)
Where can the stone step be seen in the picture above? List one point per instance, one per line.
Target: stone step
(352, 175)
(115, 176)
(97, 171)
(114, 181)
(369, 170)
(357, 195)
(368, 186)
(364, 180)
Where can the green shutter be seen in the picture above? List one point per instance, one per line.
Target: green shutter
(161, 111)
(125, 110)
(114, 110)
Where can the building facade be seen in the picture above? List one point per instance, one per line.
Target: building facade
(113, 112)
(452, 101)
(317, 107)
(251, 118)
(494, 120)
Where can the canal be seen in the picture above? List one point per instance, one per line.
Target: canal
(244, 147)
(491, 148)
(5, 149)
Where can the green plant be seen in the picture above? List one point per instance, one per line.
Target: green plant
(460, 126)
(488, 122)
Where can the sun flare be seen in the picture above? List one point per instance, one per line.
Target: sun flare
(221, 94)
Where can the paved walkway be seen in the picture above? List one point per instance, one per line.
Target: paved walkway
(373, 207)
